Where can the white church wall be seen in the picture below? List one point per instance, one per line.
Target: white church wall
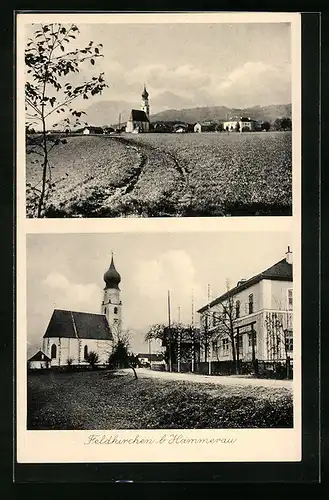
(74, 348)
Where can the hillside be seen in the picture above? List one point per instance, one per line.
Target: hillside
(107, 112)
(194, 115)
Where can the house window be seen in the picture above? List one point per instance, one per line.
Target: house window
(85, 352)
(251, 303)
(214, 346)
(290, 298)
(225, 346)
(53, 351)
(289, 341)
(237, 309)
(115, 310)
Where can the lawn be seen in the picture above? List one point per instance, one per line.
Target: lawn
(110, 400)
(167, 175)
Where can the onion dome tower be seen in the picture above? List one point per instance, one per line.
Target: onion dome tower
(112, 305)
(145, 102)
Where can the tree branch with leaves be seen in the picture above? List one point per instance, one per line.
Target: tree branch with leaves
(48, 90)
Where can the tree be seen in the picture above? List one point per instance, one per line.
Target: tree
(282, 124)
(121, 356)
(69, 363)
(286, 124)
(220, 127)
(179, 340)
(279, 337)
(224, 323)
(92, 358)
(265, 126)
(49, 90)
(237, 127)
(276, 125)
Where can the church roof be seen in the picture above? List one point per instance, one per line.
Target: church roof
(138, 115)
(79, 325)
(39, 356)
(281, 271)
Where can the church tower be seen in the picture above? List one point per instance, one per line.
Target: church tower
(112, 305)
(145, 102)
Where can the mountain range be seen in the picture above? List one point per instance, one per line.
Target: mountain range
(168, 106)
(193, 115)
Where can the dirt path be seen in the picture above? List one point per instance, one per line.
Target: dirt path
(145, 152)
(214, 379)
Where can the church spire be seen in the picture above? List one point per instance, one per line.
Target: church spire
(111, 277)
(145, 93)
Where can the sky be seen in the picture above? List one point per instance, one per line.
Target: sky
(66, 271)
(234, 65)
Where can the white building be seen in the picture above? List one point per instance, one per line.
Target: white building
(39, 361)
(262, 315)
(243, 123)
(74, 334)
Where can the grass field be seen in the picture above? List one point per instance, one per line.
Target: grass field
(210, 174)
(108, 400)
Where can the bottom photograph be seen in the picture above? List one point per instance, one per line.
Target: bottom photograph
(159, 330)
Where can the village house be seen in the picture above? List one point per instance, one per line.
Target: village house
(92, 130)
(39, 361)
(207, 126)
(261, 309)
(72, 335)
(139, 119)
(243, 124)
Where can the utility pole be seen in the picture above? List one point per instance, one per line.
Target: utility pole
(169, 331)
(178, 343)
(192, 322)
(208, 338)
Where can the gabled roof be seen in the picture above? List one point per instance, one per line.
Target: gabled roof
(38, 357)
(72, 324)
(281, 271)
(138, 115)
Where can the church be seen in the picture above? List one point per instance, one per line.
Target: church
(74, 334)
(139, 119)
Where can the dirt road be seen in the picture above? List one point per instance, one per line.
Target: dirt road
(214, 379)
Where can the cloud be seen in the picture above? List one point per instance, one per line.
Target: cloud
(256, 83)
(172, 271)
(69, 295)
(159, 77)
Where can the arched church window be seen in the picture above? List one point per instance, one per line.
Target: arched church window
(104, 310)
(53, 351)
(86, 352)
(115, 310)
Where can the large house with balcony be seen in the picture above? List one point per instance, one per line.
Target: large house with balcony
(256, 315)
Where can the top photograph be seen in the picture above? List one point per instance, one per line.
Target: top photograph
(158, 119)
